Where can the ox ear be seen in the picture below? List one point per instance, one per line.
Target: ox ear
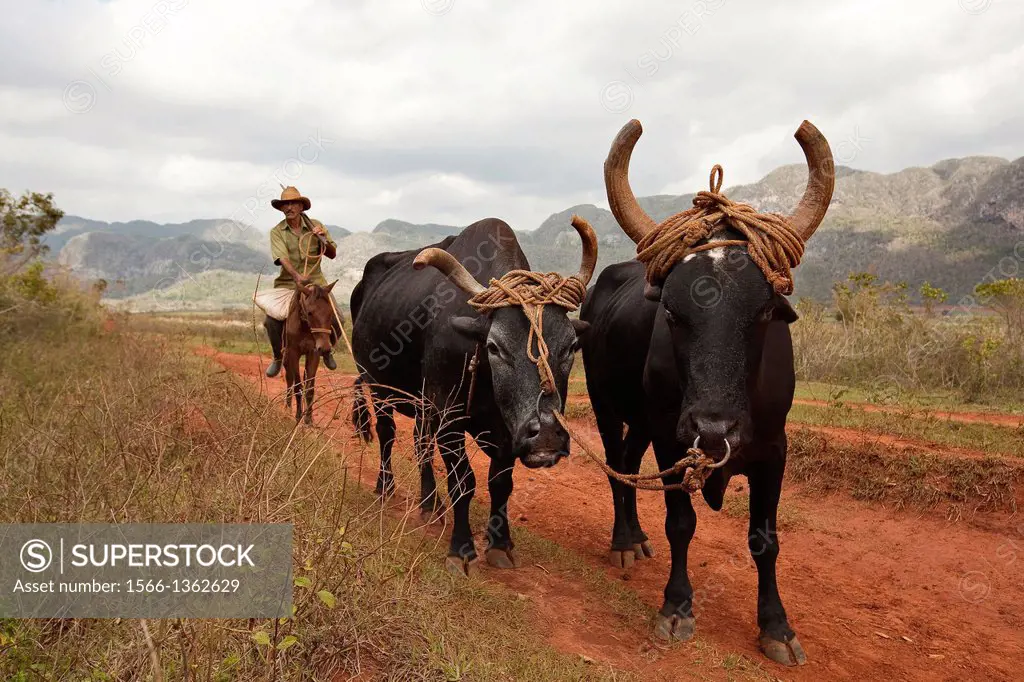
(474, 328)
(782, 310)
(652, 292)
(580, 327)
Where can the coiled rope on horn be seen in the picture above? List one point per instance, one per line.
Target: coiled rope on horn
(773, 243)
(531, 291)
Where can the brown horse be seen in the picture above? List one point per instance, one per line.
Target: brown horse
(308, 331)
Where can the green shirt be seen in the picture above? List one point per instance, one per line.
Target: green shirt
(284, 244)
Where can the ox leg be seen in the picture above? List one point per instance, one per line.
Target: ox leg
(626, 542)
(777, 639)
(385, 412)
(610, 428)
(499, 551)
(675, 621)
(426, 427)
(636, 445)
(309, 385)
(462, 557)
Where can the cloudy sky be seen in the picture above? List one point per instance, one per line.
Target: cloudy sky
(449, 111)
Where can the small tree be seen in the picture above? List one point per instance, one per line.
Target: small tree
(1006, 297)
(862, 297)
(932, 296)
(23, 222)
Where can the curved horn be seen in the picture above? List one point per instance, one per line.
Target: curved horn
(589, 260)
(634, 220)
(821, 180)
(453, 269)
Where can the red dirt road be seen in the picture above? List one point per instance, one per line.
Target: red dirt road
(874, 594)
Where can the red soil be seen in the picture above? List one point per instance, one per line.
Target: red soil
(874, 594)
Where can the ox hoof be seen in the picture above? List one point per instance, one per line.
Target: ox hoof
(627, 557)
(644, 550)
(462, 568)
(674, 627)
(622, 559)
(502, 558)
(787, 653)
(385, 490)
(431, 515)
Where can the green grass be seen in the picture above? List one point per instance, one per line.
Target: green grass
(887, 393)
(989, 438)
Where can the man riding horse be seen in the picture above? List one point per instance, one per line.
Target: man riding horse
(296, 244)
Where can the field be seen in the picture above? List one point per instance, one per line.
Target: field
(899, 527)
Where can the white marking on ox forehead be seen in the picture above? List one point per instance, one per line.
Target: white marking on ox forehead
(716, 254)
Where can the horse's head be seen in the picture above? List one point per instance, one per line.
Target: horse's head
(316, 311)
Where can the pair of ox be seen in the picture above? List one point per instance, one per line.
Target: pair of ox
(659, 360)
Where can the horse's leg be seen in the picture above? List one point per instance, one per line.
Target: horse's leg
(309, 383)
(385, 412)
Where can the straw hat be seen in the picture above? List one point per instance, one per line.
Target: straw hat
(290, 194)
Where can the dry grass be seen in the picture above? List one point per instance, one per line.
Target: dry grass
(878, 343)
(238, 332)
(141, 431)
(956, 486)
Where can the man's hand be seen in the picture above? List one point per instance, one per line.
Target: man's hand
(319, 230)
(303, 280)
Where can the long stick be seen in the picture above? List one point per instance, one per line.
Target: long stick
(341, 325)
(330, 298)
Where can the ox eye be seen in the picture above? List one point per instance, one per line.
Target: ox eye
(670, 317)
(493, 350)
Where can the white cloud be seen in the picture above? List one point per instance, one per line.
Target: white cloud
(179, 109)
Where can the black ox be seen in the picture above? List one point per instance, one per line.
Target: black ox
(414, 335)
(708, 355)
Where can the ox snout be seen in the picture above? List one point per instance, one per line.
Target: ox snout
(541, 441)
(714, 428)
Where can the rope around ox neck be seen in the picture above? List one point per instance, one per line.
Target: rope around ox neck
(532, 291)
(771, 240)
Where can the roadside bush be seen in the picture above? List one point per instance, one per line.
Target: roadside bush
(875, 340)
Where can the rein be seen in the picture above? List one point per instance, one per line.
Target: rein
(308, 255)
(531, 291)
(305, 268)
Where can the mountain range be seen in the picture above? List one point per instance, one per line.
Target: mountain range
(953, 224)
